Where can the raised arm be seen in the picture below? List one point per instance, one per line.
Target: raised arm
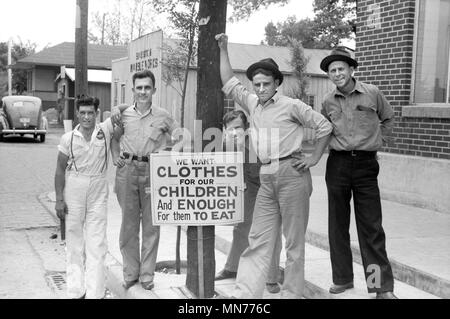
(226, 71)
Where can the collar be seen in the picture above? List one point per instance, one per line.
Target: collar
(358, 88)
(150, 111)
(94, 133)
(274, 99)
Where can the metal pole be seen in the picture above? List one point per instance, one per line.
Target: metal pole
(201, 279)
(9, 67)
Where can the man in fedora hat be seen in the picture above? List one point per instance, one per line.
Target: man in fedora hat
(362, 119)
(282, 202)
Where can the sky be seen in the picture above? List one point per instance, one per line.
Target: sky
(50, 22)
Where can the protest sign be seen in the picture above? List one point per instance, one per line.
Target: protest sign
(197, 189)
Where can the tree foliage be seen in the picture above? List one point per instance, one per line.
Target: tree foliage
(242, 9)
(334, 21)
(19, 50)
(299, 63)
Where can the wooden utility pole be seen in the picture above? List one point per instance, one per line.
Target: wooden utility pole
(200, 254)
(81, 49)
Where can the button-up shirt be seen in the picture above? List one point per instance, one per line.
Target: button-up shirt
(360, 119)
(146, 133)
(88, 157)
(277, 127)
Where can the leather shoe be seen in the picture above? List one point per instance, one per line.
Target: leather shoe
(225, 274)
(273, 288)
(147, 285)
(337, 289)
(386, 295)
(127, 284)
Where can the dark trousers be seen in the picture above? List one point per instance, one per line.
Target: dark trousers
(348, 175)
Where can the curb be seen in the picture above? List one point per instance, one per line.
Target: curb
(404, 273)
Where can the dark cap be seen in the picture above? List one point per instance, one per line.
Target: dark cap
(265, 64)
(338, 54)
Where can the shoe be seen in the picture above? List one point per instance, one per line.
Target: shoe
(225, 274)
(147, 285)
(386, 295)
(337, 289)
(127, 284)
(273, 288)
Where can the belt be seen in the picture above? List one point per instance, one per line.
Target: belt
(355, 153)
(279, 159)
(136, 158)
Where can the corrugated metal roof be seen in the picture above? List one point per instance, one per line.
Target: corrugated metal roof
(99, 56)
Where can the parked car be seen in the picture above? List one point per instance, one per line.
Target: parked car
(22, 115)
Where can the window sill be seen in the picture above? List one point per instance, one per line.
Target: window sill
(430, 110)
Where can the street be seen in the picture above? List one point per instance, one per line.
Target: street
(32, 261)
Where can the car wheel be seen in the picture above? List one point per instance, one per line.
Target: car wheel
(42, 138)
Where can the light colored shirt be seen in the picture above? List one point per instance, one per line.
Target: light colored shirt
(146, 133)
(88, 158)
(361, 120)
(277, 127)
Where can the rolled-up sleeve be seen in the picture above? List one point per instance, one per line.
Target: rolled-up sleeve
(63, 146)
(240, 94)
(312, 119)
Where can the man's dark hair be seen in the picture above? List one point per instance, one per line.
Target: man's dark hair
(234, 114)
(144, 74)
(263, 71)
(85, 100)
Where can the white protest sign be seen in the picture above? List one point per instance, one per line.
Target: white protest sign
(197, 189)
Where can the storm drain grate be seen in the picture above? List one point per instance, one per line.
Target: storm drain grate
(58, 280)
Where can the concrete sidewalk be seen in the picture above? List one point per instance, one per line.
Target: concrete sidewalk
(417, 246)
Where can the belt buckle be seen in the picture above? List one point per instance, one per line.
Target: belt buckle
(139, 158)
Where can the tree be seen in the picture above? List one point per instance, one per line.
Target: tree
(122, 23)
(19, 51)
(299, 63)
(334, 21)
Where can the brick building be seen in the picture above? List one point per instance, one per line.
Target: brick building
(402, 46)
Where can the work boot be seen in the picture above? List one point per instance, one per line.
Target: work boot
(337, 289)
(386, 295)
(225, 274)
(273, 287)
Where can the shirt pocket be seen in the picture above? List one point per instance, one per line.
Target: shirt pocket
(153, 133)
(367, 116)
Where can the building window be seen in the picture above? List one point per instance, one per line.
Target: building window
(122, 94)
(432, 71)
(116, 92)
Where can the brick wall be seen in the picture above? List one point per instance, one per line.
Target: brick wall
(384, 50)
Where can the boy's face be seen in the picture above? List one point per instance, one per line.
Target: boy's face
(234, 134)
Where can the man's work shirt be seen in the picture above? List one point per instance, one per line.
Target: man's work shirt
(146, 133)
(276, 128)
(360, 120)
(88, 158)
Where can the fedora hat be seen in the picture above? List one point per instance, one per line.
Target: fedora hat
(266, 64)
(338, 54)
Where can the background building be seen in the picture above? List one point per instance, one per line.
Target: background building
(402, 46)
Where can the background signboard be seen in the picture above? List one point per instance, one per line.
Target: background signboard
(197, 189)
(143, 53)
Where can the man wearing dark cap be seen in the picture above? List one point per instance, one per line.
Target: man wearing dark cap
(362, 120)
(282, 203)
